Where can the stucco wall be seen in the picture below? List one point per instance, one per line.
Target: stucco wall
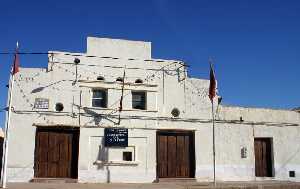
(118, 48)
(167, 87)
(94, 157)
(258, 114)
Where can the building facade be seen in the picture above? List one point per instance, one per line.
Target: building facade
(66, 123)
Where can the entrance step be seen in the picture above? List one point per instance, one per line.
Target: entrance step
(54, 180)
(177, 180)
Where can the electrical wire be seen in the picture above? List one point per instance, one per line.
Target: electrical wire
(10, 53)
(91, 56)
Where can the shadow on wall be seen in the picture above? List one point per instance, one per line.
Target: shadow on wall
(97, 118)
(102, 159)
(39, 89)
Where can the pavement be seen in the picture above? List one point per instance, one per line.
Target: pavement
(174, 185)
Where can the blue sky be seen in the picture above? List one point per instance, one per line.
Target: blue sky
(255, 44)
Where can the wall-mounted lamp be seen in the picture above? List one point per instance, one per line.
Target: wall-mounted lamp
(241, 119)
(76, 61)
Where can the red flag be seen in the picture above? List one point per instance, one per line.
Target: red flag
(212, 84)
(16, 64)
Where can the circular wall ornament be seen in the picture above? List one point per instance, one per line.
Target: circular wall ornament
(175, 112)
(59, 107)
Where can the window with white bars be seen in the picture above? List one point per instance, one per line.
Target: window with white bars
(99, 98)
(139, 100)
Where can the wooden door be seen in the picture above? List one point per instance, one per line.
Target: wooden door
(175, 154)
(56, 153)
(263, 157)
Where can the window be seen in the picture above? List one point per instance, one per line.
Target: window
(127, 156)
(99, 98)
(119, 79)
(139, 100)
(100, 78)
(138, 81)
(122, 154)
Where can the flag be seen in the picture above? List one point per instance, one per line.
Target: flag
(212, 84)
(16, 64)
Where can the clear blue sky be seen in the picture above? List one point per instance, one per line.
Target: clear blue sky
(255, 44)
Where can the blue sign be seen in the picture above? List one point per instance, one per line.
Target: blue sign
(117, 137)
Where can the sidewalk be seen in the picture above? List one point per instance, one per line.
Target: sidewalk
(226, 185)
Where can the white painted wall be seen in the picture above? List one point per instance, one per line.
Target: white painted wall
(120, 48)
(165, 90)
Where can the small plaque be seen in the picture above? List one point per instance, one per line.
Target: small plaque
(41, 103)
(117, 137)
(244, 152)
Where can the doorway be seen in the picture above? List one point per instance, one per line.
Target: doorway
(175, 154)
(263, 157)
(56, 153)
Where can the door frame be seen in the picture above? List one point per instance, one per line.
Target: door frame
(192, 148)
(75, 145)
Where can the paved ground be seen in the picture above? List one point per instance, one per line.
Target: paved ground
(194, 185)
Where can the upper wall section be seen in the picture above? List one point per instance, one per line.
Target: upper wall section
(118, 48)
(258, 114)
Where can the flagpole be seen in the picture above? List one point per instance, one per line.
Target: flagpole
(6, 136)
(214, 146)
(14, 70)
(121, 100)
(212, 94)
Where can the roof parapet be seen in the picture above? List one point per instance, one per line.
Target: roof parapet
(106, 47)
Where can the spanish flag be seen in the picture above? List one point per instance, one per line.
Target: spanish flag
(16, 63)
(212, 83)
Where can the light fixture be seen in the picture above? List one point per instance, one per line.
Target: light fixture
(241, 119)
(76, 61)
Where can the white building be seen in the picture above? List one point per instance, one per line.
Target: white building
(62, 115)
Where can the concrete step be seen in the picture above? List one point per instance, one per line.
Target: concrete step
(177, 180)
(54, 180)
